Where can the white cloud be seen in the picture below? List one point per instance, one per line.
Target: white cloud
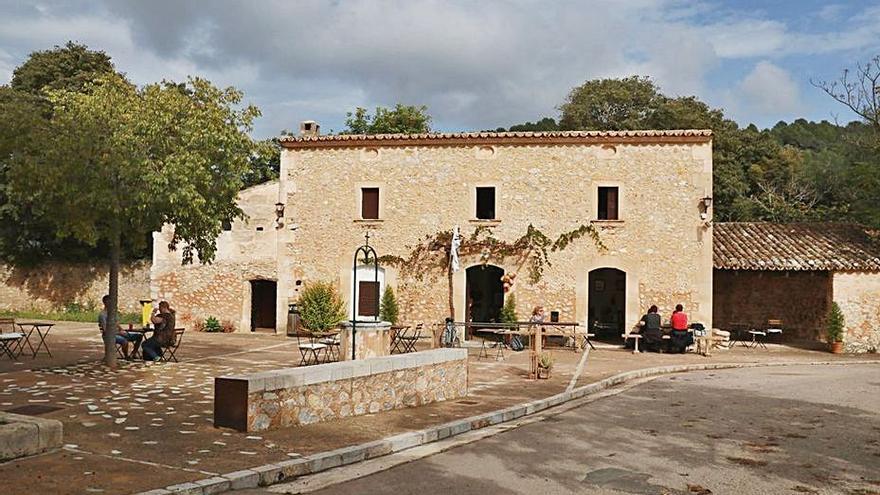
(767, 92)
(476, 65)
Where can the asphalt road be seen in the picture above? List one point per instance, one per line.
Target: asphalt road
(801, 429)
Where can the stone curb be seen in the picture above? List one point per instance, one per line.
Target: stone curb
(270, 474)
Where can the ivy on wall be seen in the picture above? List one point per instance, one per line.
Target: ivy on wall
(531, 250)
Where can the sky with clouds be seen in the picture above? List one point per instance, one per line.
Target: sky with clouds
(476, 65)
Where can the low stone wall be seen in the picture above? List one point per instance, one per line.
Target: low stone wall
(27, 435)
(51, 286)
(304, 395)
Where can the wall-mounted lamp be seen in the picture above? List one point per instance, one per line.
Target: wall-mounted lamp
(484, 257)
(705, 204)
(279, 210)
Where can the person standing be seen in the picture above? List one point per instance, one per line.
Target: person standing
(163, 320)
(122, 337)
(680, 338)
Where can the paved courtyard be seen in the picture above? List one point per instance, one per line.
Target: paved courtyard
(797, 430)
(150, 425)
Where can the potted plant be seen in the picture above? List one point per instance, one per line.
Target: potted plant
(321, 307)
(834, 329)
(545, 364)
(388, 309)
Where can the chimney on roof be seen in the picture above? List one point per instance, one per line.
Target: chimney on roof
(309, 128)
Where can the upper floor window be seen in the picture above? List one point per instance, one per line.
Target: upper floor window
(486, 203)
(370, 203)
(609, 204)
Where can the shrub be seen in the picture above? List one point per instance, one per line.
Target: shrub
(388, 310)
(836, 322)
(212, 325)
(508, 311)
(321, 306)
(545, 360)
(227, 326)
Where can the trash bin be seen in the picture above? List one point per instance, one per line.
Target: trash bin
(293, 320)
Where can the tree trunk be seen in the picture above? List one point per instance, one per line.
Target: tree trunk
(112, 308)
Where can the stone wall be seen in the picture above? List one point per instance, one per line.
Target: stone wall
(858, 295)
(222, 288)
(52, 286)
(305, 395)
(801, 299)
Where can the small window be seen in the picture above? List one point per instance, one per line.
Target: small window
(370, 203)
(486, 203)
(227, 225)
(608, 203)
(368, 298)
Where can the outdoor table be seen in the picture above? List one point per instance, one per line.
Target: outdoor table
(42, 330)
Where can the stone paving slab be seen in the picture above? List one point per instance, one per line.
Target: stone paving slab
(149, 426)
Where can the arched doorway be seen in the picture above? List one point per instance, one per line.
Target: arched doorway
(263, 296)
(607, 303)
(485, 293)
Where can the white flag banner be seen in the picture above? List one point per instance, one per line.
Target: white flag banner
(453, 250)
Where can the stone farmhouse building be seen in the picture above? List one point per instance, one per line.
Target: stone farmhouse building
(648, 193)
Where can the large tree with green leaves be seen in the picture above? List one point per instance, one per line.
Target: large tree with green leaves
(755, 176)
(25, 236)
(402, 119)
(116, 162)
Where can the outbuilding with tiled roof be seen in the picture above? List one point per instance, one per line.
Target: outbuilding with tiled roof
(793, 271)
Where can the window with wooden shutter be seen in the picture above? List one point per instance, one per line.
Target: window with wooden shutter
(486, 203)
(368, 298)
(370, 203)
(608, 203)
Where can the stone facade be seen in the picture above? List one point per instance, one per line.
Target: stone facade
(858, 295)
(300, 396)
(222, 289)
(550, 181)
(52, 286)
(801, 299)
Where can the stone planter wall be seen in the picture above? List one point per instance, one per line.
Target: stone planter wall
(299, 396)
(27, 435)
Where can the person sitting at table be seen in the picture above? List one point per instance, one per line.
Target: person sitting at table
(652, 335)
(163, 320)
(123, 337)
(680, 338)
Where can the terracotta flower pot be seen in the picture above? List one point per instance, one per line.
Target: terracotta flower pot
(543, 373)
(836, 347)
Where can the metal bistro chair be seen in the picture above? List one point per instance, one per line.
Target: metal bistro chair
(410, 339)
(397, 345)
(331, 340)
(310, 350)
(168, 353)
(10, 342)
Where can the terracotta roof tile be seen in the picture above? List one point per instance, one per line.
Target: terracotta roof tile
(795, 246)
(513, 137)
